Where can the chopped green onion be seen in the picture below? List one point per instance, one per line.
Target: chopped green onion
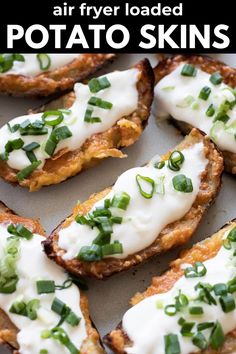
(159, 165)
(58, 134)
(217, 337)
(220, 289)
(210, 111)
(172, 344)
(116, 219)
(58, 306)
(197, 270)
(15, 144)
(61, 336)
(232, 235)
(216, 78)
(227, 303)
(205, 293)
(168, 88)
(110, 249)
(32, 146)
(187, 328)
(176, 160)
(13, 128)
(44, 61)
(205, 93)
(189, 70)
(222, 117)
(66, 284)
(88, 116)
(28, 170)
(196, 310)
(181, 321)
(181, 301)
(96, 85)
(34, 128)
(227, 244)
(45, 286)
(43, 351)
(8, 275)
(150, 184)
(26, 309)
(7, 61)
(73, 319)
(20, 231)
(90, 253)
(48, 120)
(120, 200)
(182, 183)
(31, 156)
(200, 341)
(65, 312)
(205, 325)
(170, 310)
(232, 285)
(96, 101)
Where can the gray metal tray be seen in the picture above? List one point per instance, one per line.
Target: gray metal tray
(110, 299)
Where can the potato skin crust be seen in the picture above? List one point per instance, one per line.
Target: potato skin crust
(125, 132)
(117, 339)
(8, 331)
(174, 234)
(209, 65)
(56, 81)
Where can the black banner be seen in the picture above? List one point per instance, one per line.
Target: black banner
(117, 26)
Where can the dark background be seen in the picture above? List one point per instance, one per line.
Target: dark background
(196, 12)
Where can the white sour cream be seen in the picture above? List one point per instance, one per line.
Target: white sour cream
(122, 94)
(31, 266)
(31, 65)
(144, 218)
(146, 324)
(174, 89)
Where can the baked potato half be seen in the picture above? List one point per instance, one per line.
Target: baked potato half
(52, 80)
(206, 250)
(227, 75)
(174, 233)
(102, 142)
(8, 330)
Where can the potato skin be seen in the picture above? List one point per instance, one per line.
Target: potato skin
(210, 66)
(8, 331)
(125, 132)
(172, 235)
(56, 81)
(117, 339)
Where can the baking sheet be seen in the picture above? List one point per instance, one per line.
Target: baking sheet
(110, 299)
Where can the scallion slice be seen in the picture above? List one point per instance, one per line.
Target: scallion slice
(91, 253)
(196, 310)
(58, 134)
(113, 248)
(170, 310)
(216, 78)
(205, 325)
(199, 340)
(187, 328)
(227, 303)
(27, 171)
(222, 117)
(13, 128)
(45, 286)
(172, 345)
(120, 200)
(88, 116)
(96, 101)
(12, 145)
(44, 61)
(65, 312)
(232, 285)
(205, 93)
(197, 270)
(210, 111)
(52, 118)
(62, 337)
(26, 309)
(98, 84)
(189, 70)
(159, 165)
(20, 231)
(7, 61)
(176, 160)
(220, 289)
(32, 146)
(146, 186)
(232, 235)
(181, 183)
(217, 337)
